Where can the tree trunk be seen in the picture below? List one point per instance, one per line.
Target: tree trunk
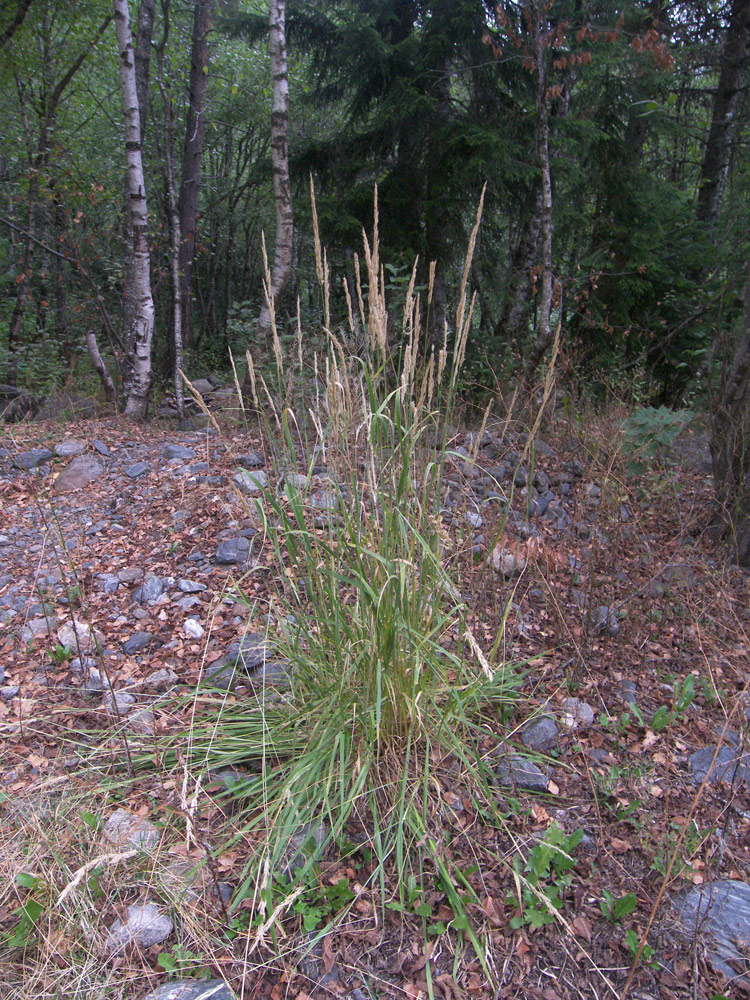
(730, 441)
(139, 359)
(512, 326)
(282, 192)
(544, 332)
(174, 220)
(718, 152)
(143, 39)
(15, 22)
(192, 156)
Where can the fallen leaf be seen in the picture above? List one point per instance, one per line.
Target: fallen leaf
(620, 846)
(582, 927)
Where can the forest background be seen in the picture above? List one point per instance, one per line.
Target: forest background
(612, 140)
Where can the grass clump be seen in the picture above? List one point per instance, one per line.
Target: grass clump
(384, 682)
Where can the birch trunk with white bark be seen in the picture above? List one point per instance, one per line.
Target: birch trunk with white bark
(139, 360)
(282, 192)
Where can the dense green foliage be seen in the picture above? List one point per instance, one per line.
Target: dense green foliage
(428, 101)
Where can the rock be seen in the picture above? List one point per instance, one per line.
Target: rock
(220, 674)
(186, 989)
(512, 769)
(520, 476)
(540, 733)
(303, 845)
(125, 830)
(136, 642)
(161, 680)
(100, 447)
(627, 691)
(8, 692)
(508, 563)
(250, 652)
(719, 914)
(150, 590)
(95, 682)
(274, 673)
(69, 448)
(202, 385)
(190, 586)
(142, 721)
(118, 703)
(233, 550)
(576, 714)
(145, 926)
(473, 519)
(80, 637)
(731, 765)
(82, 470)
(194, 629)
(36, 628)
(250, 460)
(250, 482)
(34, 458)
(178, 451)
(109, 582)
(604, 621)
(136, 470)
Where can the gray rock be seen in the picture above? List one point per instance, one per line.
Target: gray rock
(142, 721)
(719, 914)
(220, 674)
(34, 458)
(303, 845)
(36, 628)
(604, 621)
(95, 682)
(576, 714)
(250, 652)
(731, 765)
(233, 550)
(274, 673)
(512, 769)
(508, 563)
(70, 447)
(202, 385)
(520, 476)
(161, 680)
(136, 642)
(541, 480)
(125, 830)
(178, 451)
(150, 590)
(145, 926)
(82, 471)
(80, 637)
(193, 629)
(627, 690)
(186, 603)
(100, 447)
(250, 482)
(190, 586)
(109, 582)
(8, 692)
(250, 460)
(136, 470)
(186, 989)
(540, 734)
(118, 703)
(473, 519)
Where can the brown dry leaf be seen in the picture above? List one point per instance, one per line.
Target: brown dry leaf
(328, 955)
(493, 911)
(582, 927)
(552, 787)
(539, 813)
(620, 846)
(412, 990)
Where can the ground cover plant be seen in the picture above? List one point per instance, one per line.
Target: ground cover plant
(347, 811)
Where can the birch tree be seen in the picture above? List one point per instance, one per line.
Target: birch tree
(139, 360)
(282, 192)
